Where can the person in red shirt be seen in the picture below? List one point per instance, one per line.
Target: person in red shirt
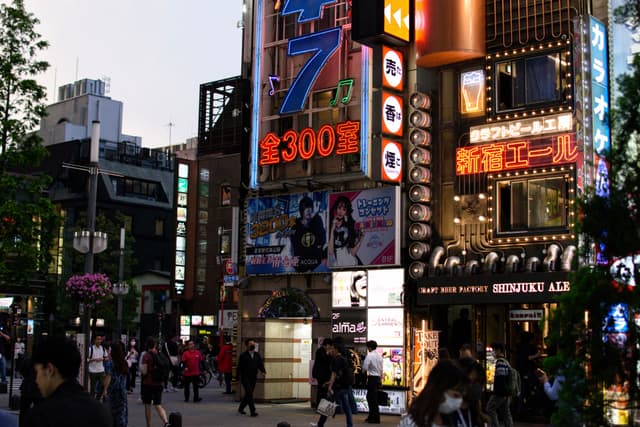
(191, 359)
(225, 363)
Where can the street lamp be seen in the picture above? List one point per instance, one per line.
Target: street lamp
(89, 242)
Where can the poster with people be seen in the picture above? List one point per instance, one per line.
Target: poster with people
(287, 234)
(363, 228)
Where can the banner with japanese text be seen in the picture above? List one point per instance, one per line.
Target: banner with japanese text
(364, 228)
(287, 234)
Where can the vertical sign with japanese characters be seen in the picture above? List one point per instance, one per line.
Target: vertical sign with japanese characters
(392, 69)
(600, 128)
(600, 104)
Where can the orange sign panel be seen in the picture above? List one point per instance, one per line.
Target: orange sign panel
(391, 161)
(397, 18)
(392, 69)
(392, 114)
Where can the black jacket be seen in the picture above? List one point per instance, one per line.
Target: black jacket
(248, 366)
(321, 366)
(69, 406)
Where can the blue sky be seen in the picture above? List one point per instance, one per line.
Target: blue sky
(156, 53)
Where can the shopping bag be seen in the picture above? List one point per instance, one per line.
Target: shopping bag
(326, 408)
(382, 397)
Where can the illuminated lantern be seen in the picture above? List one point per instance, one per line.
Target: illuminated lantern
(419, 126)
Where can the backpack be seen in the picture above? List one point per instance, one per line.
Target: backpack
(513, 385)
(161, 366)
(345, 377)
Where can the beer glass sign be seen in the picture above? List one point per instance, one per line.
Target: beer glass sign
(472, 88)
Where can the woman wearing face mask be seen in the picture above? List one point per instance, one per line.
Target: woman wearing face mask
(440, 400)
(471, 413)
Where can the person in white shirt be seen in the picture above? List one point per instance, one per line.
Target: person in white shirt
(97, 356)
(372, 365)
(551, 390)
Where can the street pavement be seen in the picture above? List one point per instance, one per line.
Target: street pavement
(218, 409)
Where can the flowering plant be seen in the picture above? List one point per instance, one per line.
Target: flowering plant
(90, 289)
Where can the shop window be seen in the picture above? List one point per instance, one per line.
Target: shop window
(532, 204)
(527, 81)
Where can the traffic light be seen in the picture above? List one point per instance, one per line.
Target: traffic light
(420, 182)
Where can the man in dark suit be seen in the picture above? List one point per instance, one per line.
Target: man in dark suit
(249, 363)
(322, 368)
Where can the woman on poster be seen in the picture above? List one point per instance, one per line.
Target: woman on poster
(344, 237)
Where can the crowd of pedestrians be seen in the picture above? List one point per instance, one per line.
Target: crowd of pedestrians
(454, 394)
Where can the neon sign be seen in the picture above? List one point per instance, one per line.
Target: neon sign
(323, 44)
(504, 156)
(522, 128)
(342, 139)
(472, 90)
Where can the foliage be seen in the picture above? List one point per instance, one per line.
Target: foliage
(28, 219)
(590, 361)
(586, 362)
(89, 288)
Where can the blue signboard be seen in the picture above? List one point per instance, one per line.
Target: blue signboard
(601, 131)
(287, 234)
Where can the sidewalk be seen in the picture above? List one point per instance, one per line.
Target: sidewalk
(218, 409)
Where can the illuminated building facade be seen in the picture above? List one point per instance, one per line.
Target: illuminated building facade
(456, 134)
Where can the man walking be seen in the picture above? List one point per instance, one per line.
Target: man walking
(224, 359)
(152, 383)
(499, 403)
(322, 368)
(249, 363)
(191, 359)
(372, 365)
(66, 404)
(97, 356)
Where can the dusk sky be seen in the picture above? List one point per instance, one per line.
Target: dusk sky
(156, 54)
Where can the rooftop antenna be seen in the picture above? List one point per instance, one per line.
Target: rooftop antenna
(77, 67)
(170, 125)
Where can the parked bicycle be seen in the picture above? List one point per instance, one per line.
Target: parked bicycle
(206, 374)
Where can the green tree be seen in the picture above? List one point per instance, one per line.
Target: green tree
(27, 217)
(590, 364)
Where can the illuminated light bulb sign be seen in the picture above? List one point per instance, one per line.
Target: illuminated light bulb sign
(504, 156)
(323, 44)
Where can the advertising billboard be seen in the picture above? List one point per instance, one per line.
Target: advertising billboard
(386, 326)
(286, 234)
(349, 289)
(385, 287)
(351, 325)
(364, 228)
